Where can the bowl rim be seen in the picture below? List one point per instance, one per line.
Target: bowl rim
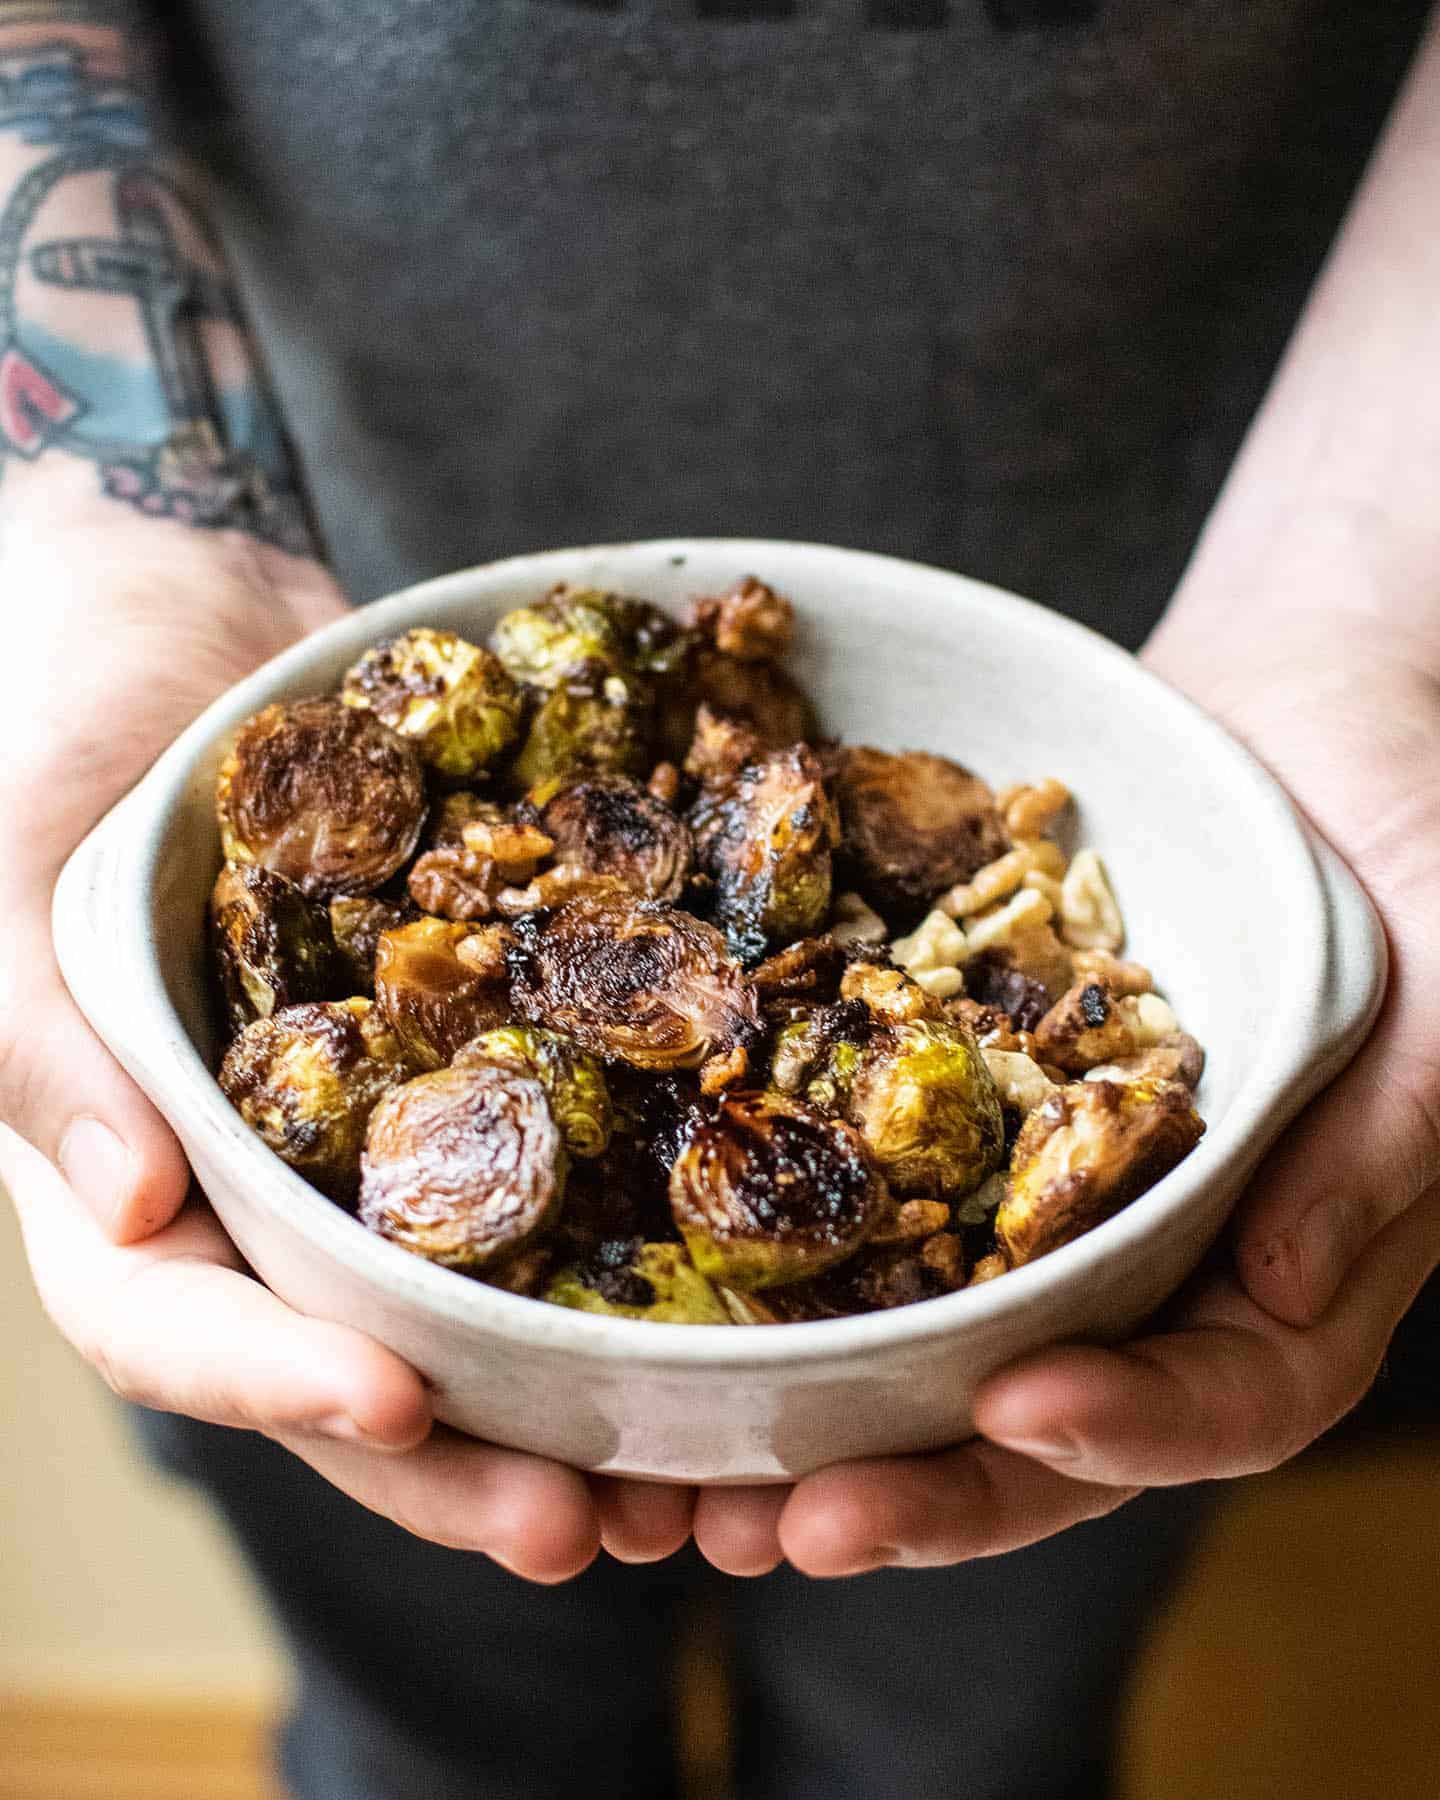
(184, 1085)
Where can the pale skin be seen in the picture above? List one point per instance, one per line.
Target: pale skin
(1309, 622)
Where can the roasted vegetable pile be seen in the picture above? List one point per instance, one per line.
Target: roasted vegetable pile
(581, 963)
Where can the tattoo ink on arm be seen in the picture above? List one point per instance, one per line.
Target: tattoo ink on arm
(122, 339)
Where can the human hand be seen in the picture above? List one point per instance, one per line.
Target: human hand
(1283, 1330)
(131, 630)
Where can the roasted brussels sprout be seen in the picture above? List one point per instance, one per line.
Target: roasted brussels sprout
(816, 1057)
(770, 1191)
(474, 851)
(629, 1279)
(323, 794)
(752, 622)
(462, 1166)
(452, 699)
(913, 824)
(1085, 1152)
(573, 1082)
(435, 999)
(272, 946)
(571, 637)
(608, 831)
(307, 1079)
(634, 981)
(356, 922)
(925, 1105)
(764, 840)
(574, 733)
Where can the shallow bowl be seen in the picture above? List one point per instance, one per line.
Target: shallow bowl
(1263, 941)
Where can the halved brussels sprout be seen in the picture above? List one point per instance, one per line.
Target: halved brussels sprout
(609, 827)
(452, 699)
(926, 1107)
(307, 1079)
(272, 946)
(433, 997)
(769, 1191)
(356, 923)
(574, 733)
(1087, 1151)
(573, 1082)
(764, 839)
(323, 794)
(572, 636)
(913, 824)
(462, 1166)
(635, 981)
(629, 1279)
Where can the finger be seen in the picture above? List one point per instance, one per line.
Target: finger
(1362, 1153)
(642, 1521)
(738, 1529)
(535, 1518)
(1233, 1393)
(920, 1512)
(63, 1092)
(174, 1324)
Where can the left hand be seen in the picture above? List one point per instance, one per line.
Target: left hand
(1283, 1331)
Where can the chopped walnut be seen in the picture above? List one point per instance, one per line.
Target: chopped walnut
(752, 622)
(1089, 912)
(936, 943)
(721, 1072)
(475, 849)
(1029, 810)
(944, 1255)
(1000, 927)
(1176, 1057)
(999, 879)
(1019, 1079)
(1120, 977)
(890, 994)
(1090, 1025)
(944, 984)
(988, 1268)
(721, 746)
(487, 951)
(664, 783)
(910, 1220)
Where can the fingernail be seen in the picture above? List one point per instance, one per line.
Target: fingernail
(1043, 1449)
(99, 1167)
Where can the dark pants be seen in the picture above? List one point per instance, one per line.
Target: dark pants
(428, 1674)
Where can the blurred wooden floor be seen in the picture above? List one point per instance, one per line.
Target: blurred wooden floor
(1302, 1658)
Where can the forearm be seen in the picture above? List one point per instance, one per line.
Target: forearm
(129, 380)
(1329, 519)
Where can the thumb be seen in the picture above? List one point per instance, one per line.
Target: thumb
(62, 1091)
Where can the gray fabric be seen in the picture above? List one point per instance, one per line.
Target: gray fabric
(534, 273)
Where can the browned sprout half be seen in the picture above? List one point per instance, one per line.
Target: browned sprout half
(912, 824)
(924, 1102)
(751, 622)
(630, 1279)
(435, 998)
(307, 1078)
(271, 945)
(575, 731)
(323, 794)
(462, 1166)
(769, 1191)
(1086, 1151)
(764, 839)
(634, 981)
(473, 852)
(607, 831)
(356, 922)
(573, 1081)
(451, 698)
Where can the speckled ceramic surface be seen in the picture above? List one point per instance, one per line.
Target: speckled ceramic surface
(1266, 945)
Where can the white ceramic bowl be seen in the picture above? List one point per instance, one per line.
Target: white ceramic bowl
(1265, 944)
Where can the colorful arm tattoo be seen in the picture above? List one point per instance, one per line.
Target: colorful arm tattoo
(122, 339)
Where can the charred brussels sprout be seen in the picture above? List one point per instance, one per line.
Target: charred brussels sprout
(452, 699)
(1085, 1152)
(573, 1082)
(913, 824)
(356, 924)
(629, 1279)
(924, 1102)
(307, 1079)
(764, 839)
(609, 828)
(439, 984)
(574, 732)
(769, 1191)
(571, 637)
(272, 946)
(634, 981)
(322, 794)
(462, 1166)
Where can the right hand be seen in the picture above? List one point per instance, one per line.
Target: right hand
(129, 628)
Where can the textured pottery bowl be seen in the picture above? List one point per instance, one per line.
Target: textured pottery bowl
(1264, 943)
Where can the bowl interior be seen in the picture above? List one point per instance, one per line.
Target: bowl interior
(907, 657)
